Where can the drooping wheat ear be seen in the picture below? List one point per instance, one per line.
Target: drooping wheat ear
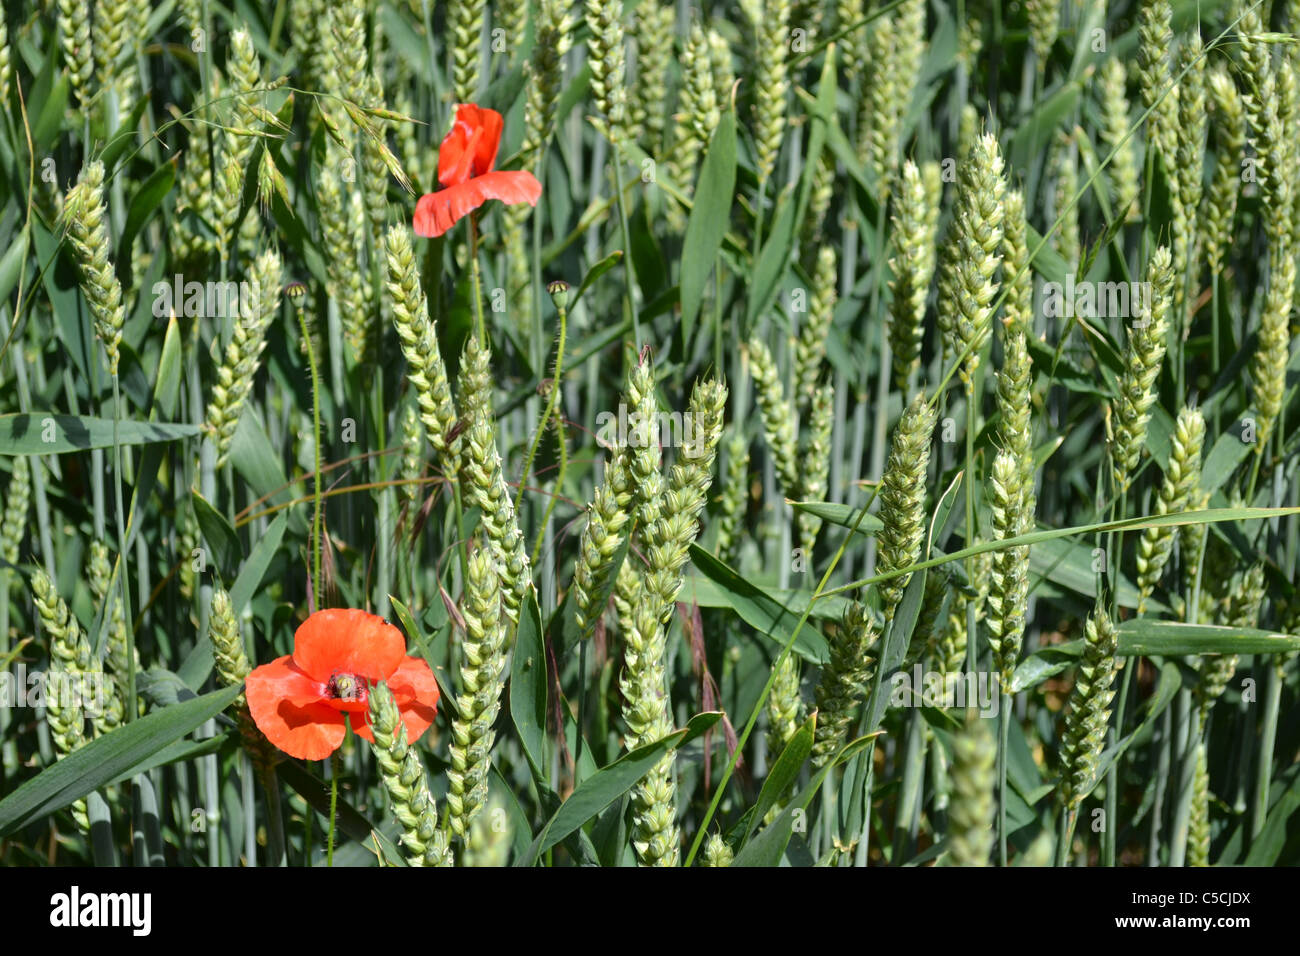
(815, 463)
(1018, 308)
(654, 49)
(243, 356)
(489, 838)
(1142, 359)
(1009, 587)
(74, 39)
(771, 83)
(844, 680)
(403, 774)
(1198, 826)
(1230, 143)
(482, 475)
(902, 500)
(1016, 429)
(99, 574)
(601, 538)
(338, 205)
(1044, 24)
(1089, 712)
(717, 852)
(971, 807)
(1240, 610)
(424, 364)
(544, 76)
(810, 347)
(1123, 169)
(1193, 122)
(967, 285)
(1272, 352)
(1066, 173)
(1155, 41)
(1181, 478)
(778, 414)
(84, 217)
(607, 58)
(482, 677)
(735, 498)
(13, 526)
(784, 708)
(6, 63)
(465, 23)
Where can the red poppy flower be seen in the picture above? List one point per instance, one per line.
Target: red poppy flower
(465, 170)
(302, 702)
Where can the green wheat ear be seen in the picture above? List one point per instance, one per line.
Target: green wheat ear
(1089, 709)
(843, 680)
(482, 678)
(971, 807)
(902, 500)
(1142, 359)
(1009, 588)
(1229, 126)
(784, 707)
(734, 500)
(967, 279)
(85, 217)
(403, 774)
(607, 516)
(1123, 169)
(778, 414)
(771, 22)
(654, 51)
(916, 218)
(1181, 478)
(717, 852)
(607, 58)
(13, 526)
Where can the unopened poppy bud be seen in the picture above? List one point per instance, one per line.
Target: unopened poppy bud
(559, 290)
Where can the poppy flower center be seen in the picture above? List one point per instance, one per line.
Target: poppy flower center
(347, 687)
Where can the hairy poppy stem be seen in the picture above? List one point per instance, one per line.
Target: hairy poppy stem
(334, 806)
(474, 275)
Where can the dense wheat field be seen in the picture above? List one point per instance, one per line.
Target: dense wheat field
(738, 433)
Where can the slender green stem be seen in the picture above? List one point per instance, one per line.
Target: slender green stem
(629, 275)
(334, 806)
(475, 281)
(551, 399)
(120, 522)
(317, 593)
(1004, 731)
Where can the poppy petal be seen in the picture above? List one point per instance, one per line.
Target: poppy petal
(285, 704)
(279, 680)
(350, 641)
(470, 148)
(416, 693)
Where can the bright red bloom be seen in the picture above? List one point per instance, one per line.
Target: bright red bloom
(465, 170)
(301, 702)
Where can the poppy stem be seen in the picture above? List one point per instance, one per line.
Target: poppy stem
(317, 593)
(475, 280)
(542, 423)
(334, 806)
